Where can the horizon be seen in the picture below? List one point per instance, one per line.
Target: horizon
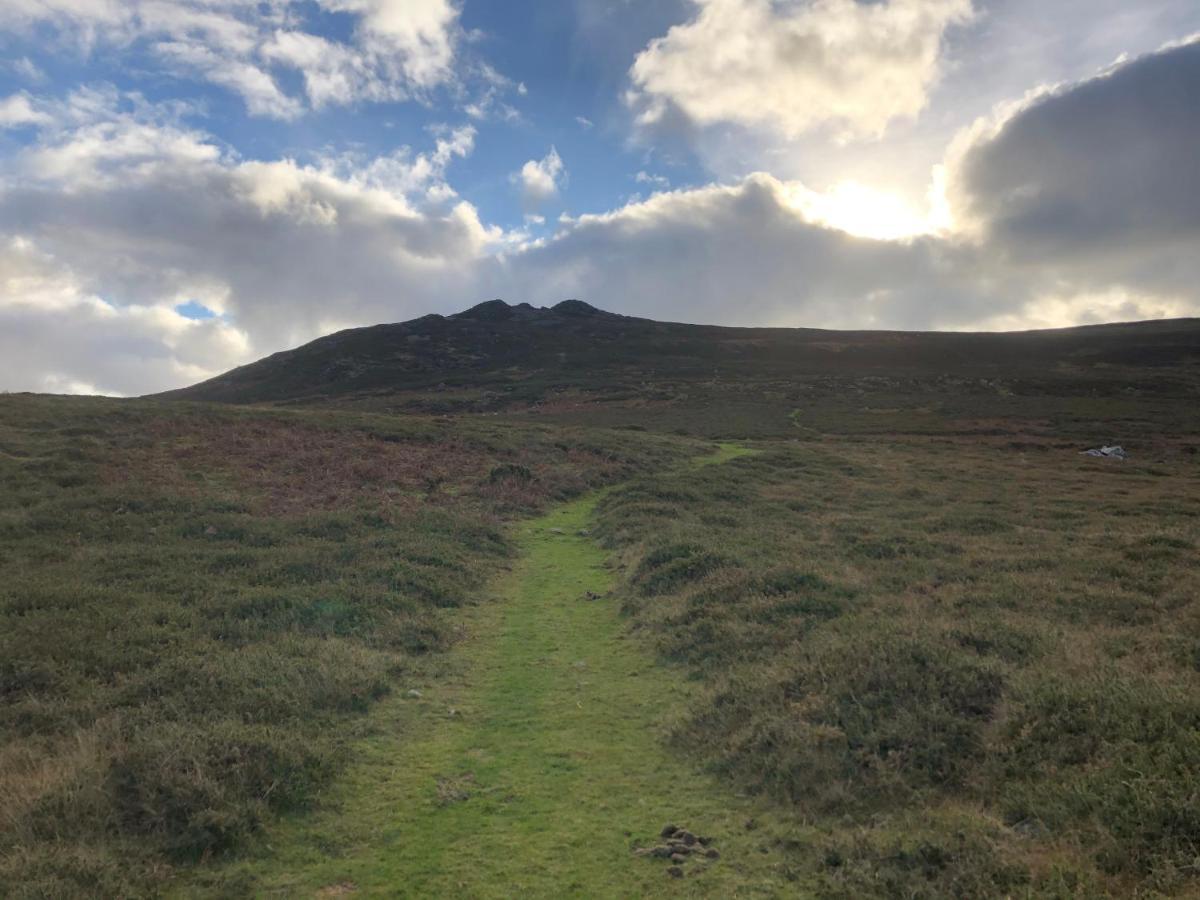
(187, 187)
(551, 307)
(554, 304)
(593, 307)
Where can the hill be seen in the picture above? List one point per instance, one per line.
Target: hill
(495, 356)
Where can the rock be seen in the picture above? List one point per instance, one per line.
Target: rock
(675, 872)
(704, 841)
(712, 853)
(679, 847)
(660, 852)
(583, 532)
(414, 693)
(591, 595)
(669, 830)
(678, 858)
(686, 837)
(751, 824)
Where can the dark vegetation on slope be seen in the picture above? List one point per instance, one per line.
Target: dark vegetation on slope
(575, 362)
(972, 670)
(199, 603)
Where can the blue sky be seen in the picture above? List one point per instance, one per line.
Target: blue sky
(189, 184)
(564, 66)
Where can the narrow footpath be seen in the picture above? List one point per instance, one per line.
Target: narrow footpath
(535, 768)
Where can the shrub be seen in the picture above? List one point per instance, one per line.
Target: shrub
(668, 568)
(197, 793)
(510, 472)
(855, 720)
(961, 860)
(1114, 755)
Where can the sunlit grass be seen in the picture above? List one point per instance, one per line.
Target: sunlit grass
(199, 604)
(973, 668)
(536, 768)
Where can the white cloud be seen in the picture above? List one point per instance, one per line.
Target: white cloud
(753, 253)
(332, 72)
(107, 223)
(17, 110)
(57, 337)
(28, 70)
(399, 48)
(410, 39)
(1078, 204)
(745, 254)
(488, 102)
(1114, 304)
(407, 174)
(539, 179)
(790, 67)
(658, 181)
(98, 137)
(257, 88)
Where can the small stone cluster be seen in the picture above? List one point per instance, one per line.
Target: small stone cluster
(680, 845)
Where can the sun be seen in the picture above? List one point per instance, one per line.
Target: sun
(861, 210)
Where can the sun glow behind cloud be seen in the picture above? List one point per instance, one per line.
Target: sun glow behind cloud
(861, 210)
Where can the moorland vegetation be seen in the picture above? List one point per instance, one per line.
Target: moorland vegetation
(957, 657)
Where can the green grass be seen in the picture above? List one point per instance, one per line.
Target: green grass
(199, 605)
(537, 770)
(972, 670)
(725, 452)
(927, 646)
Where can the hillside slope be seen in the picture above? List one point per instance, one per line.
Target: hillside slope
(510, 356)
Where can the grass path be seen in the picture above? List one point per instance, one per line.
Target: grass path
(534, 769)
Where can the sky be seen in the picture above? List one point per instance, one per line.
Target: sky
(189, 185)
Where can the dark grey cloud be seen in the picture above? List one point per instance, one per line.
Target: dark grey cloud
(1099, 179)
